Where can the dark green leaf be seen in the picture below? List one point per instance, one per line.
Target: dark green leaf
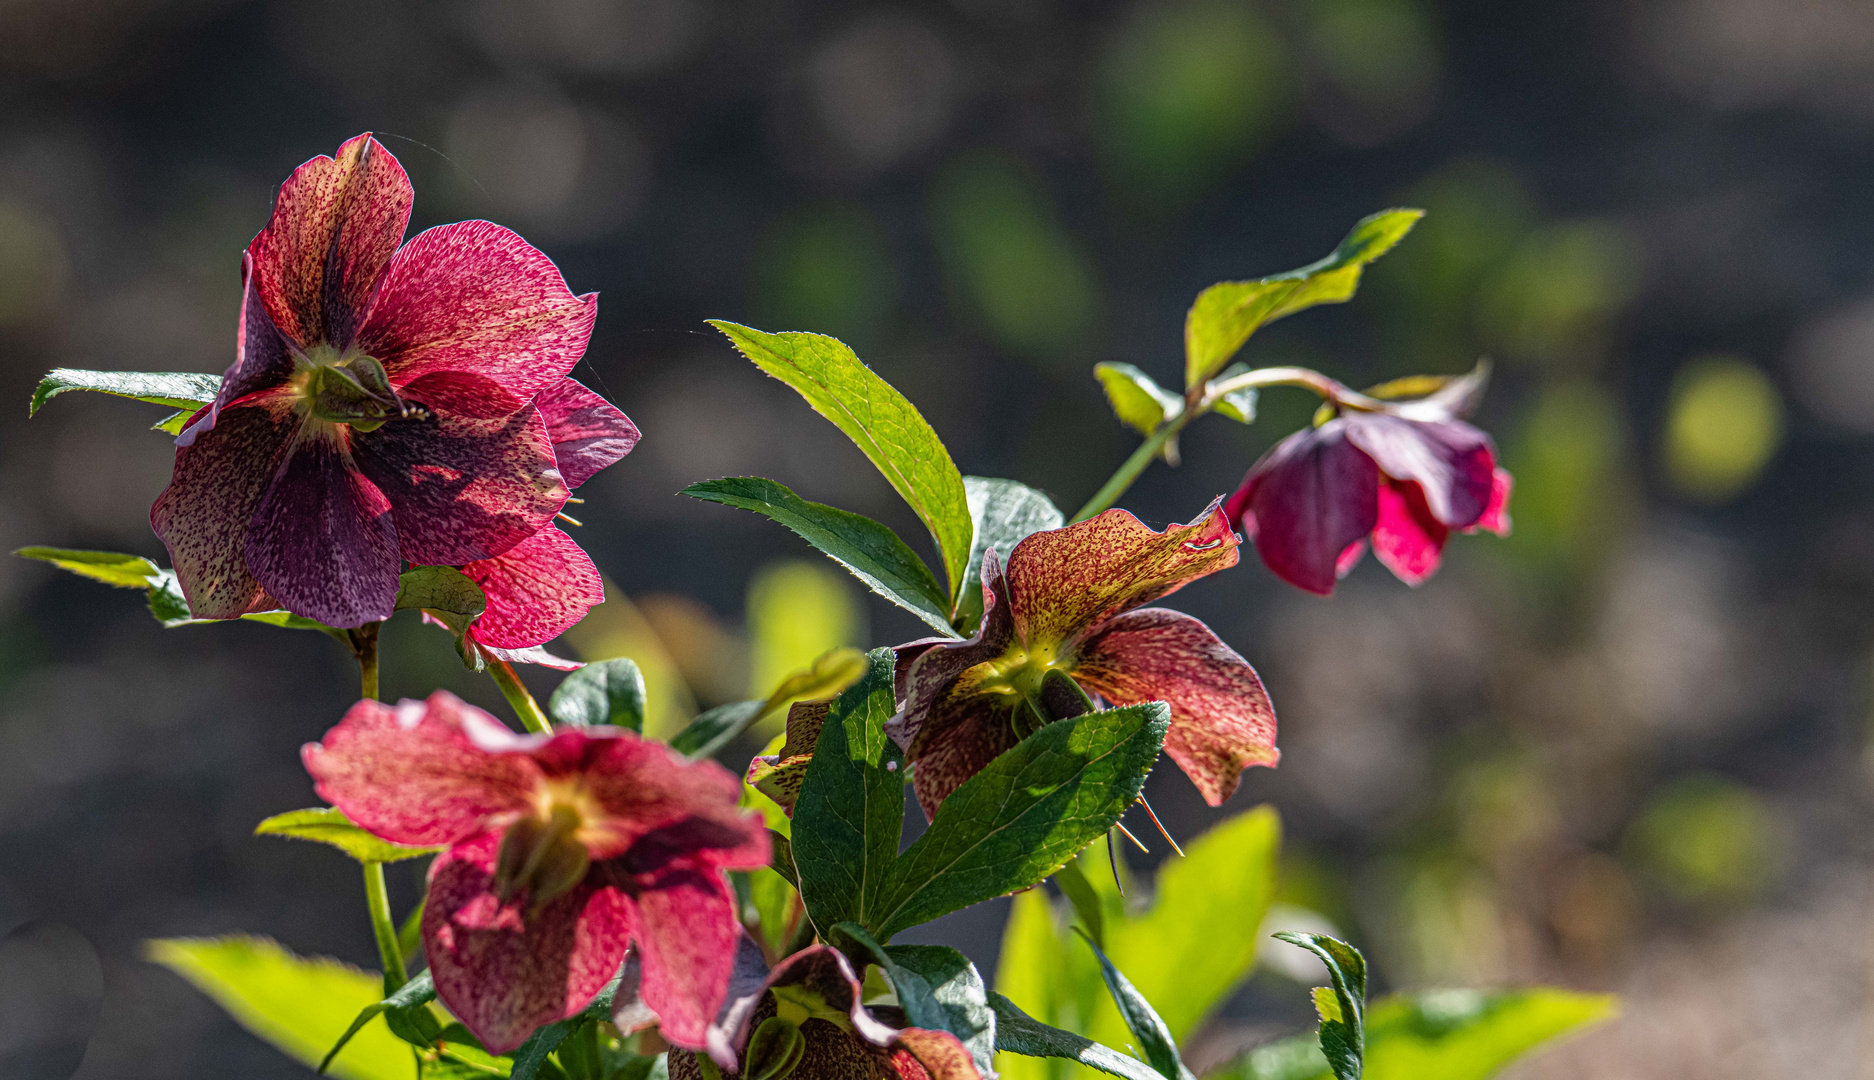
(413, 995)
(718, 727)
(1019, 1033)
(1227, 313)
(1003, 513)
(783, 861)
(851, 807)
(873, 553)
(884, 425)
(1137, 399)
(531, 1058)
(1161, 1052)
(937, 987)
(1025, 814)
(1342, 1006)
(186, 390)
(605, 692)
(329, 825)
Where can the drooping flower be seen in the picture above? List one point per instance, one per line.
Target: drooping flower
(1071, 602)
(563, 850)
(546, 583)
(380, 406)
(1402, 480)
(808, 1022)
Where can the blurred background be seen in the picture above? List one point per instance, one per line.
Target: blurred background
(1625, 749)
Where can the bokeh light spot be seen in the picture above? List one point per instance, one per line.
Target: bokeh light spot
(1724, 420)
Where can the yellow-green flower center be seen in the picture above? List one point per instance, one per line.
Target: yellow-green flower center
(343, 388)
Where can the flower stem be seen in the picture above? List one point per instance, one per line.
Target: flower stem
(1122, 479)
(523, 702)
(363, 642)
(377, 898)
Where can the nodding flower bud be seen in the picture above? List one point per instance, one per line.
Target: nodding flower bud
(542, 856)
(774, 1050)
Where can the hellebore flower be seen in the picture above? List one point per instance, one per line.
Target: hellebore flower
(1403, 480)
(380, 406)
(563, 850)
(546, 583)
(807, 1021)
(1070, 604)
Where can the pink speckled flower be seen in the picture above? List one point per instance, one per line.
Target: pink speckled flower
(563, 850)
(381, 406)
(1070, 602)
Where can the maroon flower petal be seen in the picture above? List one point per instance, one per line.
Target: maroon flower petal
(506, 970)
(204, 513)
(1221, 719)
(421, 773)
(927, 668)
(475, 297)
(588, 432)
(335, 226)
(462, 487)
(963, 733)
(321, 541)
(536, 590)
(1451, 461)
(261, 358)
(1310, 497)
(1408, 538)
(686, 934)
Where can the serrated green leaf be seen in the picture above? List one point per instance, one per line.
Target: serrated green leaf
(110, 567)
(1019, 1033)
(873, 553)
(1137, 399)
(881, 422)
(1342, 1006)
(1154, 1039)
(329, 825)
(1227, 313)
(298, 1004)
(604, 692)
(185, 390)
(1025, 814)
(1002, 513)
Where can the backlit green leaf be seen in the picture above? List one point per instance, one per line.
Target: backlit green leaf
(1227, 313)
(1003, 512)
(1137, 399)
(604, 692)
(440, 589)
(110, 567)
(1342, 1006)
(880, 421)
(185, 390)
(329, 825)
(1238, 405)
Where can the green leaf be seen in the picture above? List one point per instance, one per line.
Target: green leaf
(718, 727)
(440, 589)
(880, 421)
(1137, 399)
(414, 994)
(830, 673)
(300, 1005)
(605, 692)
(1019, 1033)
(1079, 892)
(185, 390)
(531, 1057)
(1238, 405)
(851, 807)
(110, 567)
(329, 825)
(1227, 313)
(1003, 513)
(937, 987)
(1161, 1051)
(1341, 1006)
(873, 553)
(1024, 815)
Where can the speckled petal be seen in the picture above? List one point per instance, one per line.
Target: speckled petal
(204, 513)
(335, 226)
(939, 1055)
(1221, 719)
(462, 487)
(321, 541)
(686, 942)
(475, 297)
(1451, 461)
(926, 668)
(1311, 496)
(963, 732)
(261, 358)
(588, 432)
(505, 970)
(536, 590)
(415, 774)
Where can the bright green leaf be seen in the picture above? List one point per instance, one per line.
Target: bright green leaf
(1019, 1033)
(1161, 1051)
(1003, 513)
(329, 825)
(605, 692)
(110, 567)
(1227, 313)
(873, 553)
(300, 1005)
(1238, 405)
(441, 589)
(1024, 815)
(880, 421)
(1137, 399)
(186, 390)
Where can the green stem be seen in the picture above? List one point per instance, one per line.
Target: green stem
(523, 702)
(363, 642)
(1122, 479)
(377, 898)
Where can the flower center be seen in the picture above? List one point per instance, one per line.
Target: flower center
(1041, 683)
(349, 388)
(545, 852)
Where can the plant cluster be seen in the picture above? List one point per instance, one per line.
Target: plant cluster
(399, 431)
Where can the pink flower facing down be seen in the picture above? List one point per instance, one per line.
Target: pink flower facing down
(563, 849)
(1071, 602)
(1402, 480)
(808, 1022)
(380, 407)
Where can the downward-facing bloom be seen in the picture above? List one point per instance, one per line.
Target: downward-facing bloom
(808, 1022)
(1401, 480)
(1071, 602)
(380, 407)
(546, 583)
(563, 850)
